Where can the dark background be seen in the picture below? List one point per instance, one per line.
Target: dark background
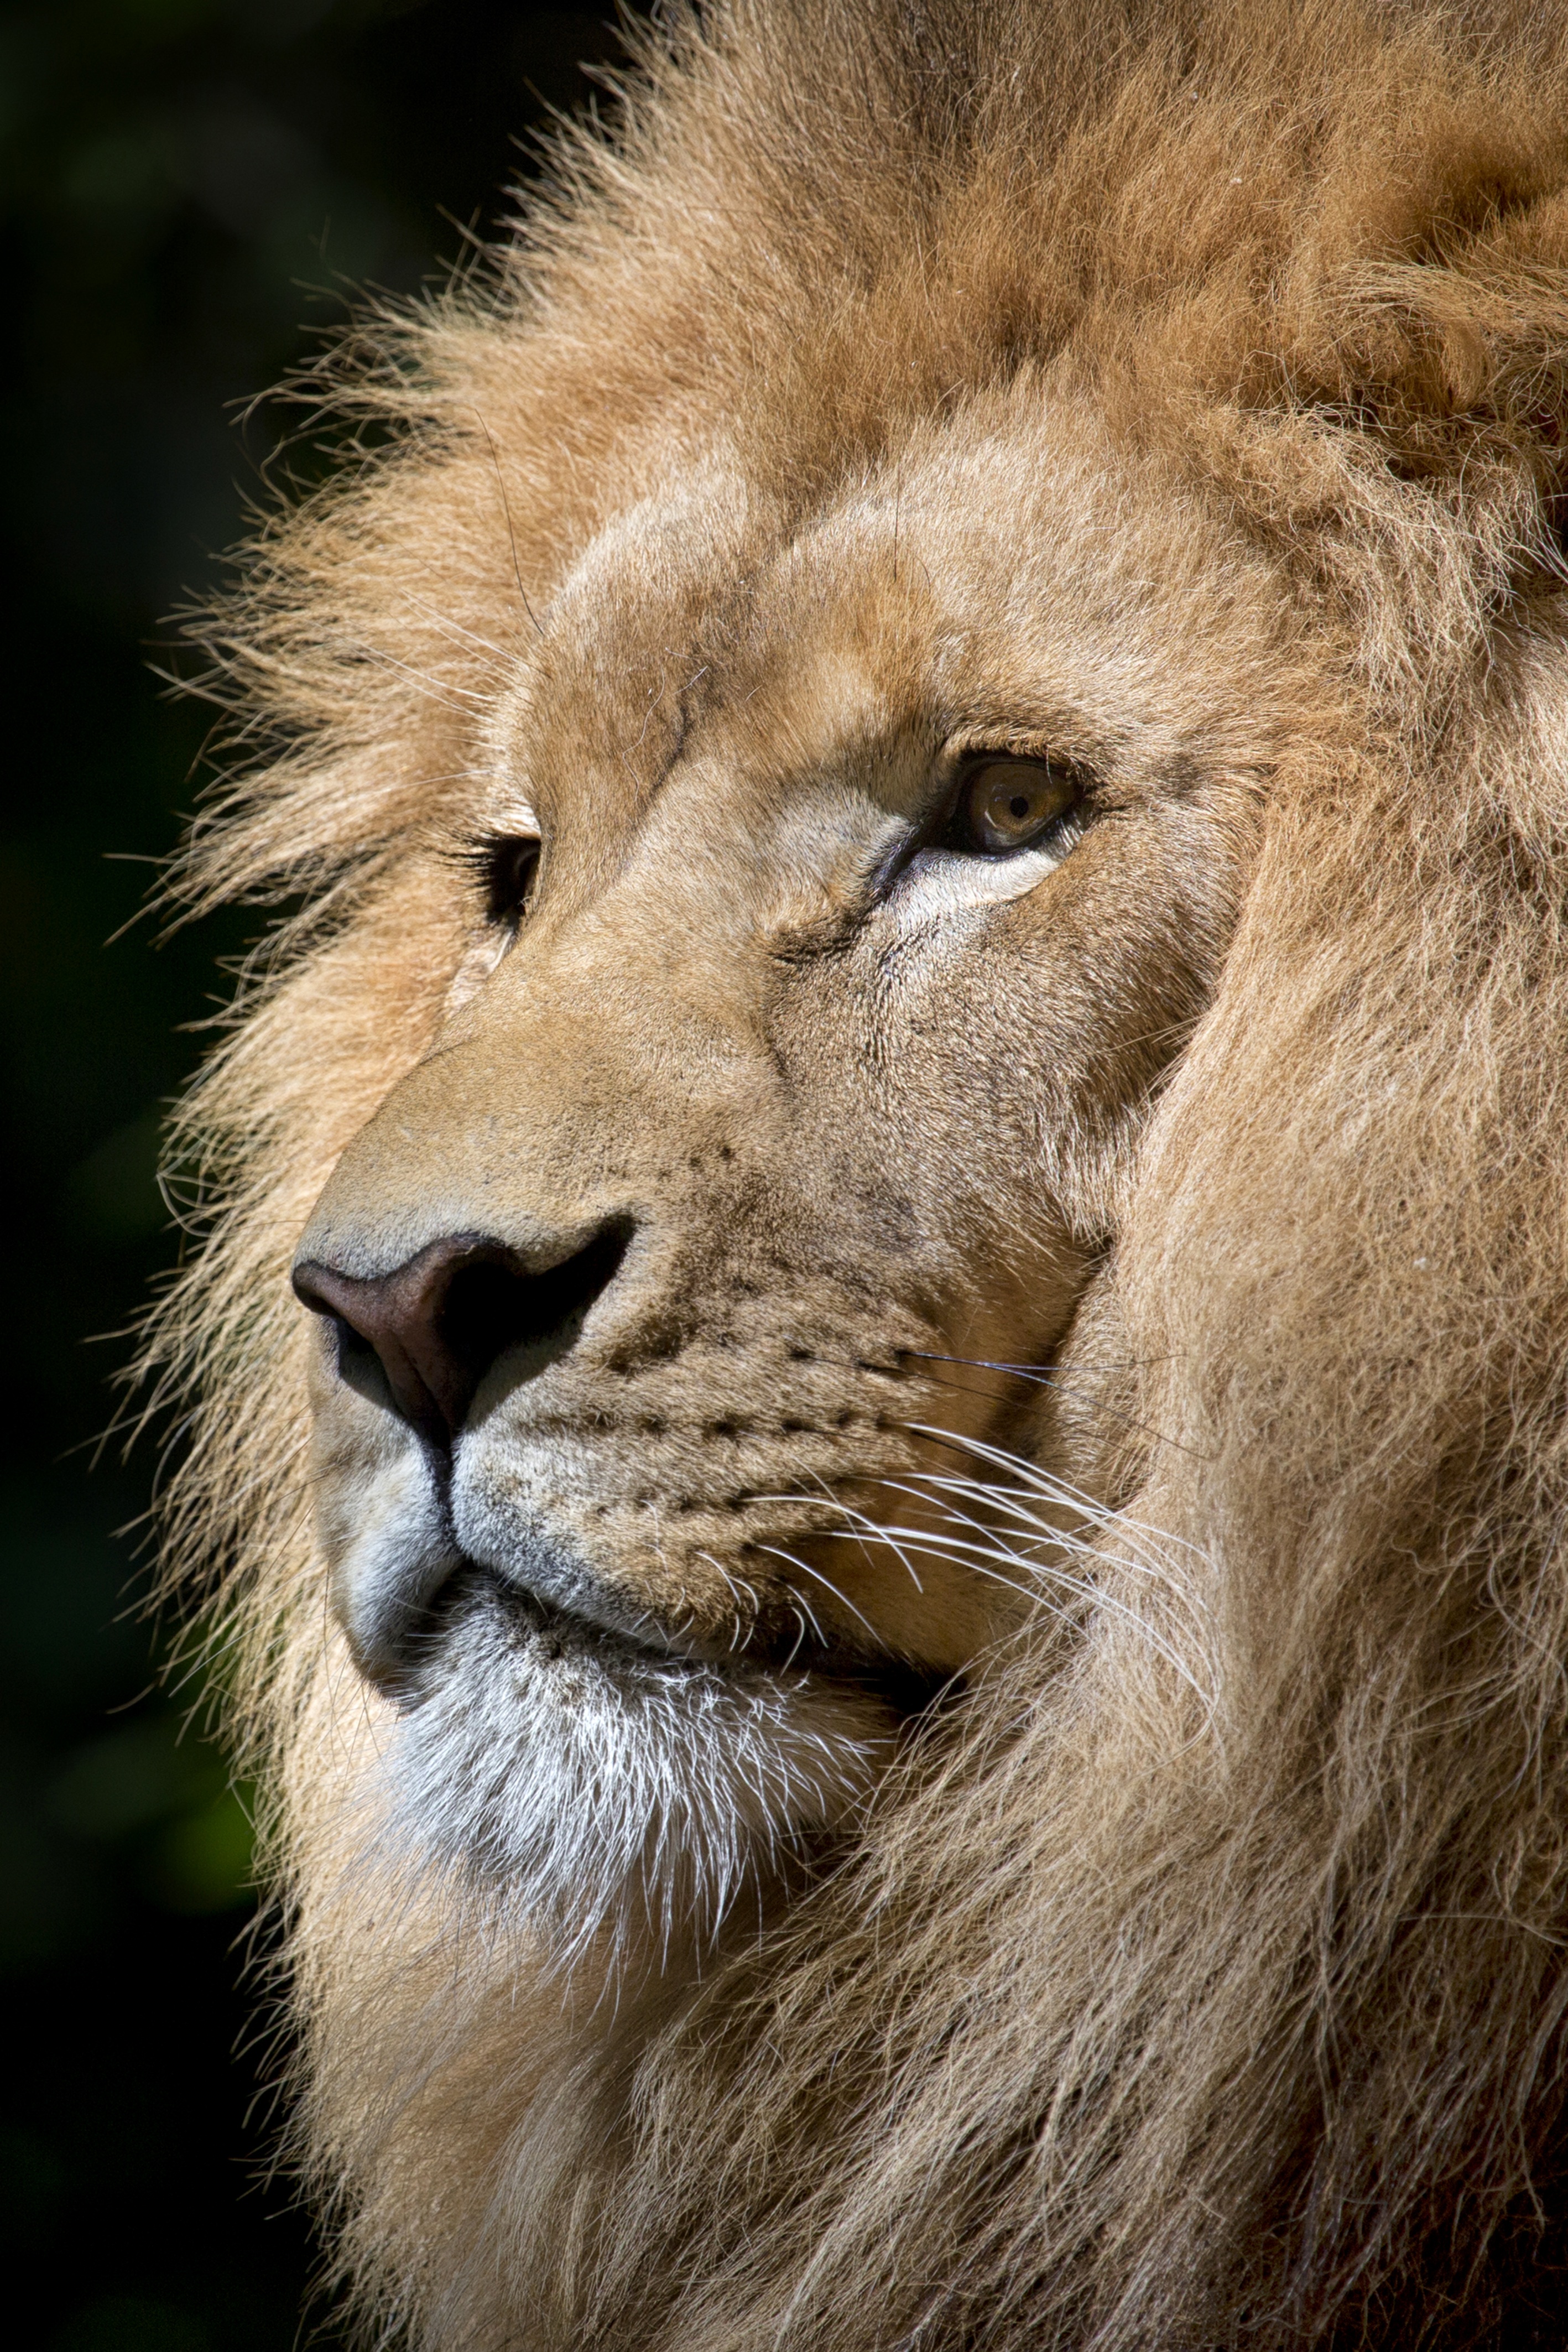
(186, 187)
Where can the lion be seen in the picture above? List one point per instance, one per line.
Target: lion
(880, 1377)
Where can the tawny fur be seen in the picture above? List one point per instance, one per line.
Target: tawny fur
(1202, 1983)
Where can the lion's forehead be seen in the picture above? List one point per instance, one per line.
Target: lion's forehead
(1009, 569)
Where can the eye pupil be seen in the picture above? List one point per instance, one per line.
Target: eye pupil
(1018, 805)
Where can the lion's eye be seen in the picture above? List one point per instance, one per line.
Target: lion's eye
(1010, 803)
(510, 868)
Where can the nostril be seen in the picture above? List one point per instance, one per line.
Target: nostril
(492, 1305)
(355, 1353)
(438, 1322)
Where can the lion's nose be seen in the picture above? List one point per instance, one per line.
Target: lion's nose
(439, 1321)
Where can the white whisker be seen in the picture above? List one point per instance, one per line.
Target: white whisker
(836, 1505)
(807, 1570)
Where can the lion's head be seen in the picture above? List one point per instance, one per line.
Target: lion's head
(914, 1664)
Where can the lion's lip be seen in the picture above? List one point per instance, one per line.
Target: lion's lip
(642, 1643)
(534, 1612)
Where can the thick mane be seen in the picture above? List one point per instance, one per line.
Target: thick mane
(1205, 1985)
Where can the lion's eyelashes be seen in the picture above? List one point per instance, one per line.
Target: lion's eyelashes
(505, 866)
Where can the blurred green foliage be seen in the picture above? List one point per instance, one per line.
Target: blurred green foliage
(187, 188)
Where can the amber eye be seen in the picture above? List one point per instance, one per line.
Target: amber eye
(508, 867)
(1010, 803)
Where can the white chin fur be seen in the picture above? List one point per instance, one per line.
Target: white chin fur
(604, 1792)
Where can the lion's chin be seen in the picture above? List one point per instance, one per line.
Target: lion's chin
(607, 1792)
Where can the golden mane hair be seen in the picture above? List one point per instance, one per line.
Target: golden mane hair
(1200, 1983)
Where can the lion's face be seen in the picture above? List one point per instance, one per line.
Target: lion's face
(843, 889)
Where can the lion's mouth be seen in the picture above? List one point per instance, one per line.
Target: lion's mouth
(565, 1739)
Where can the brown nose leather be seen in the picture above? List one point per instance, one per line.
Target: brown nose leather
(438, 1322)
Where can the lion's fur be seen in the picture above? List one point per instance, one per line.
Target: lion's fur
(1197, 1993)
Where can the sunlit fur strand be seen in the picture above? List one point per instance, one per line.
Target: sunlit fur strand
(1087, 2041)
